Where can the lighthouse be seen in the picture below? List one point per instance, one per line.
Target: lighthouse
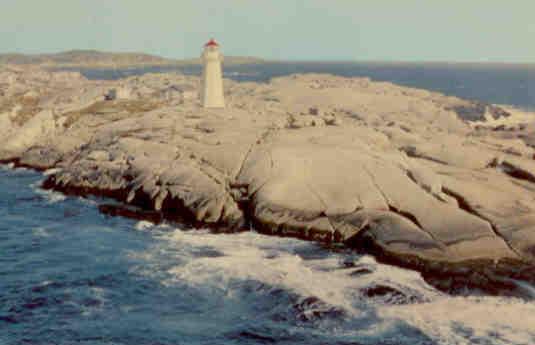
(212, 80)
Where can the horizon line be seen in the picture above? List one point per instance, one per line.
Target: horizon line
(291, 60)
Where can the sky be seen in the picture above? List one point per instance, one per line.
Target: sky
(365, 30)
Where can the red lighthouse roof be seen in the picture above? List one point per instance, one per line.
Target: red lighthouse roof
(211, 43)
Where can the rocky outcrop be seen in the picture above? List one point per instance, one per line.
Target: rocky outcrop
(477, 111)
(374, 166)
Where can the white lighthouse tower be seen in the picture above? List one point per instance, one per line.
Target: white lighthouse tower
(212, 80)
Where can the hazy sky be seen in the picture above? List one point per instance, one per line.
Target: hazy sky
(421, 30)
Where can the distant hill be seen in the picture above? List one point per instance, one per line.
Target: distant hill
(84, 58)
(94, 58)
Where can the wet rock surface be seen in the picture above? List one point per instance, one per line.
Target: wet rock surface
(399, 172)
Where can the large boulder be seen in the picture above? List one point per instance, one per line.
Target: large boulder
(36, 131)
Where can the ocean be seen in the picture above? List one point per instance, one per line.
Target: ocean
(491, 83)
(71, 275)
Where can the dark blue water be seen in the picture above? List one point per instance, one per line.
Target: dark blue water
(69, 275)
(505, 84)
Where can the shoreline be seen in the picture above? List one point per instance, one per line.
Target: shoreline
(495, 278)
(372, 166)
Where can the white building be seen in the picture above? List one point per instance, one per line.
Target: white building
(212, 79)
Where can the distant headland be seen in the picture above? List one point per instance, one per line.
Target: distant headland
(99, 59)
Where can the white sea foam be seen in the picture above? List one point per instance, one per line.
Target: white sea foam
(50, 195)
(279, 262)
(40, 232)
(469, 320)
(8, 166)
(143, 225)
(275, 261)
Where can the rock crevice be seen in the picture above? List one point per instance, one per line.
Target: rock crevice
(464, 205)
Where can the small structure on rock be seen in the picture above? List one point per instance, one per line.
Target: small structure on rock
(180, 93)
(212, 80)
(111, 95)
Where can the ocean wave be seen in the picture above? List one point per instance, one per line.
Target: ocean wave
(312, 284)
(144, 225)
(469, 320)
(8, 166)
(50, 196)
(40, 232)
